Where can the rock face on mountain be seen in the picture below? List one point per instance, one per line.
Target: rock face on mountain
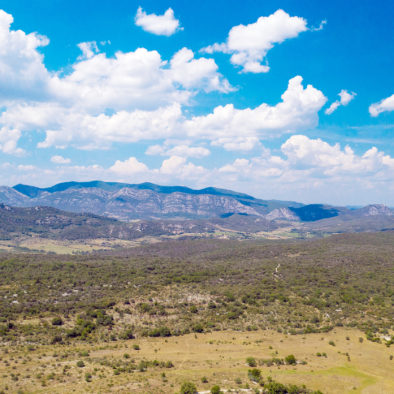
(282, 214)
(375, 210)
(10, 196)
(140, 201)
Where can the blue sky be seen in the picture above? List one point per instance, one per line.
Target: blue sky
(279, 99)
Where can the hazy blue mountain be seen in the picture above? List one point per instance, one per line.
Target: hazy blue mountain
(374, 217)
(144, 201)
(313, 212)
(149, 202)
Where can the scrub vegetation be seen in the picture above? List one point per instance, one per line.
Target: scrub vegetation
(79, 319)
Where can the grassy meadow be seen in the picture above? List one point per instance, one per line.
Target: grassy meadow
(217, 358)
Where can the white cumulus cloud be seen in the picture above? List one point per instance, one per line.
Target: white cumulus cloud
(202, 72)
(57, 159)
(249, 44)
(128, 167)
(9, 139)
(22, 72)
(303, 152)
(345, 99)
(298, 110)
(162, 25)
(88, 49)
(180, 168)
(132, 80)
(130, 95)
(384, 105)
(86, 131)
(137, 96)
(308, 160)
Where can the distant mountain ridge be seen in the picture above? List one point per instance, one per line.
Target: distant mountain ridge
(33, 191)
(148, 201)
(140, 201)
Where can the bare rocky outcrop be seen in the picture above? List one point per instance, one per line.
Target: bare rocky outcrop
(282, 214)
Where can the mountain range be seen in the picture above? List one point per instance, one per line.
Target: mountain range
(86, 210)
(140, 201)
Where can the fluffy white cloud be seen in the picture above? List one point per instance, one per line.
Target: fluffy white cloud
(226, 126)
(132, 80)
(320, 168)
(162, 25)
(178, 167)
(138, 96)
(57, 159)
(129, 94)
(237, 143)
(22, 72)
(86, 131)
(298, 110)
(9, 140)
(174, 168)
(182, 150)
(67, 126)
(128, 167)
(263, 166)
(249, 44)
(345, 99)
(305, 153)
(89, 49)
(382, 106)
(136, 80)
(202, 72)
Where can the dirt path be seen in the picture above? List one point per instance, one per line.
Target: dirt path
(276, 273)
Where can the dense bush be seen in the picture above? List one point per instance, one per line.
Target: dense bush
(290, 359)
(215, 390)
(57, 321)
(324, 276)
(188, 388)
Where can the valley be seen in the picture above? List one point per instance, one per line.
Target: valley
(205, 311)
(79, 217)
(238, 293)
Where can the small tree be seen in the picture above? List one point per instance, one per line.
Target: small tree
(251, 362)
(254, 375)
(290, 359)
(188, 388)
(215, 390)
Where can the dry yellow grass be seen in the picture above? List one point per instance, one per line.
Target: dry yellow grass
(68, 247)
(218, 356)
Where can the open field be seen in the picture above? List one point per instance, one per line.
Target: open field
(36, 244)
(146, 319)
(350, 366)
